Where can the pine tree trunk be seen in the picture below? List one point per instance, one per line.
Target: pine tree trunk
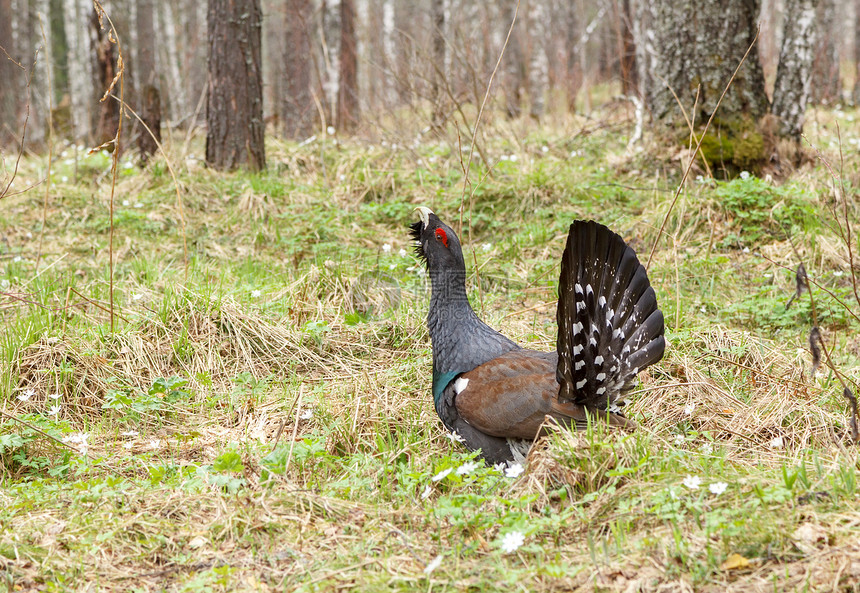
(347, 98)
(825, 69)
(298, 108)
(106, 118)
(150, 108)
(855, 95)
(627, 50)
(9, 133)
(440, 59)
(234, 112)
(793, 74)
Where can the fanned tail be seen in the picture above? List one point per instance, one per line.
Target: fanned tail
(609, 326)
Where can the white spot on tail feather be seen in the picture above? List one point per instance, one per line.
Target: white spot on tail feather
(578, 365)
(598, 360)
(580, 305)
(577, 327)
(460, 385)
(581, 384)
(600, 390)
(601, 301)
(577, 349)
(588, 289)
(593, 342)
(600, 376)
(577, 288)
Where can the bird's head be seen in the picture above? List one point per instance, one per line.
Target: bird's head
(436, 242)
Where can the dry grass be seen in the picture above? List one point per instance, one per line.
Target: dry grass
(300, 455)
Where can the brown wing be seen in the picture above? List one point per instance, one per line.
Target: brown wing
(511, 395)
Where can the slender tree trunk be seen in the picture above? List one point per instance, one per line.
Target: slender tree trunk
(793, 74)
(347, 99)
(573, 78)
(298, 108)
(79, 35)
(627, 50)
(826, 85)
(331, 54)
(9, 72)
(537, 20)
(104, 68)
(440, 59)
(856, 92)
(235, 109)
(150, 108)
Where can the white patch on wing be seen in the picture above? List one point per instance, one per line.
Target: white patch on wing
(460, 385)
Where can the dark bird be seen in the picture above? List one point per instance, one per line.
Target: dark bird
(495, 394)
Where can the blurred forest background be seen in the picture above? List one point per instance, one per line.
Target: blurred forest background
(376, 67)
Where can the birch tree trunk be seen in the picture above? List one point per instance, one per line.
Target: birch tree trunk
(234, 112)
(794, 71)
(80, 65)
(331, 55)
(441, 61)
(855, 94)
(537, 20)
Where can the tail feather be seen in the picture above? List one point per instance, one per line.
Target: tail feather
(609, 326)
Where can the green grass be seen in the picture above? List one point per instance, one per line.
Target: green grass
(259, 417)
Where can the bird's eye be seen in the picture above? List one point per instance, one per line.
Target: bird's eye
(441, 235)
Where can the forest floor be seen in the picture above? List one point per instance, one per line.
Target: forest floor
(258, 415)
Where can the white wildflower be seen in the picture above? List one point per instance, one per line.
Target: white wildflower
(692, 482)
(434, 564)
(512, 541)
(454, 436)
(514, 158)
(544, 149)
(126, 203)
(27, 395)
(745, 175)
(427, 491)
(54, 411)
(442, 474)
(776, 443)
(707, 448)
(504, 157)
(55, 395)
(487, 246)
(154, 444)
(386, 247)
(467, 468)
(679, 440)
(330, 130)
(129, 433)
(688, 409)
(137, 296)
(138, 204)
(128, 445)
(255, 294)
(718, 487)
(307, 414)
(402, 252)
(514, 470)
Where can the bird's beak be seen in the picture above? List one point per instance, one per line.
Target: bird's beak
(424, 214)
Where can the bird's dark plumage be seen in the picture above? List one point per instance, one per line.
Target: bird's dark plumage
(495, 394)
